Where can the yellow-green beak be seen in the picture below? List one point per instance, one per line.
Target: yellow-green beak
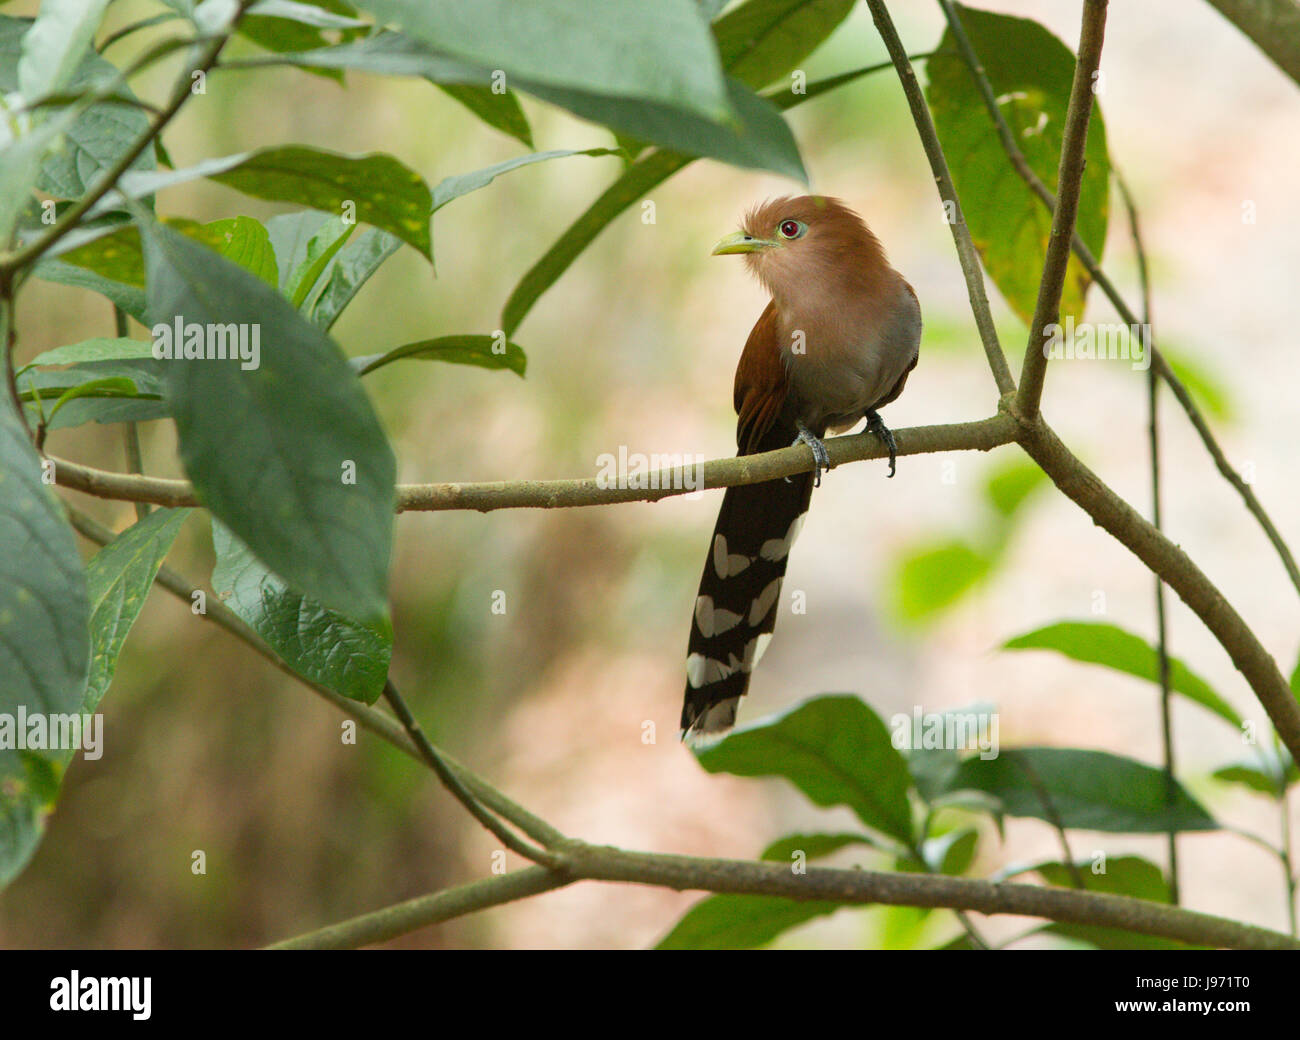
(739, 242)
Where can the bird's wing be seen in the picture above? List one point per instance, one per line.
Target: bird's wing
(760, 382)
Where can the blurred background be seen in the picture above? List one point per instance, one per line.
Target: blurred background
(208, 747)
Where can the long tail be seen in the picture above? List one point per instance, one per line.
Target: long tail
(740, 592)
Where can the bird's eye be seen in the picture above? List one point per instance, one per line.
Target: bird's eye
(792, 228)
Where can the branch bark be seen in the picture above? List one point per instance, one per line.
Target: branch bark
(849, 887)
(981, 435)
(1069, 182)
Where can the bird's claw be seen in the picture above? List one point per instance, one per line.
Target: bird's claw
(877, 426)
(821, 457)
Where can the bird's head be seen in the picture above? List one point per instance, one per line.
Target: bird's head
(792, 241)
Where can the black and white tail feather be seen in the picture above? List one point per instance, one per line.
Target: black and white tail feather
(740, 592)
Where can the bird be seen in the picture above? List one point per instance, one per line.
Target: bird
(835, 344)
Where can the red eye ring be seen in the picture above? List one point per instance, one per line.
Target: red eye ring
(789, 229)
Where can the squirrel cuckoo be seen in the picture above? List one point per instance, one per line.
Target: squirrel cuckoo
(834, 344)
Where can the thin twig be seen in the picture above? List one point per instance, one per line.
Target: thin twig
(1158, 362)
(1153, 440)
(1069, 183)
(377, 722)
(544, 857)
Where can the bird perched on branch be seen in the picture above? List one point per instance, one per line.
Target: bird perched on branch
(834, 345)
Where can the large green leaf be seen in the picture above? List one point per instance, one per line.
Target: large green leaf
(764, 39)
(755, 137)
(1031, 72)
(289, 454)
(731, 922)
(659, 52)
(1095, 642)
(1087, 790)
(375, 189)
(44, 645)
(325, 646)
(833, 748)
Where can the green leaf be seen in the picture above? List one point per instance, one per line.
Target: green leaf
(1031, 73)
(836, 750)
(323, 645)
(118, 578)
(44, 646)
(1011, 484)
(762, 40)
(270, 449)
(731, 922)
(933, 577)
(130, 298)
(659, 52)
(501, 111)
(92, 140)
(819, 846)
(755, 136)
(98, 349)
(377, 189)
(306, 244)
(454, 187)
(640, 178)
(347, 272)
(951, 853)
(1094, 642)
(1248, 775)
(1087, 790)
(56, 45)
(136, 396)
(113, 386)
(483, 351)
(117, 257)
(1124, 876)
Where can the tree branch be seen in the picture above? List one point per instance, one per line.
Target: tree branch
(1159, 365)
(1069, 182)
(849, 887)
(1178, 570)
(981, 435)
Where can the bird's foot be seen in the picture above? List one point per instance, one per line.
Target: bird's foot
(821, 457)
(877, 426)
